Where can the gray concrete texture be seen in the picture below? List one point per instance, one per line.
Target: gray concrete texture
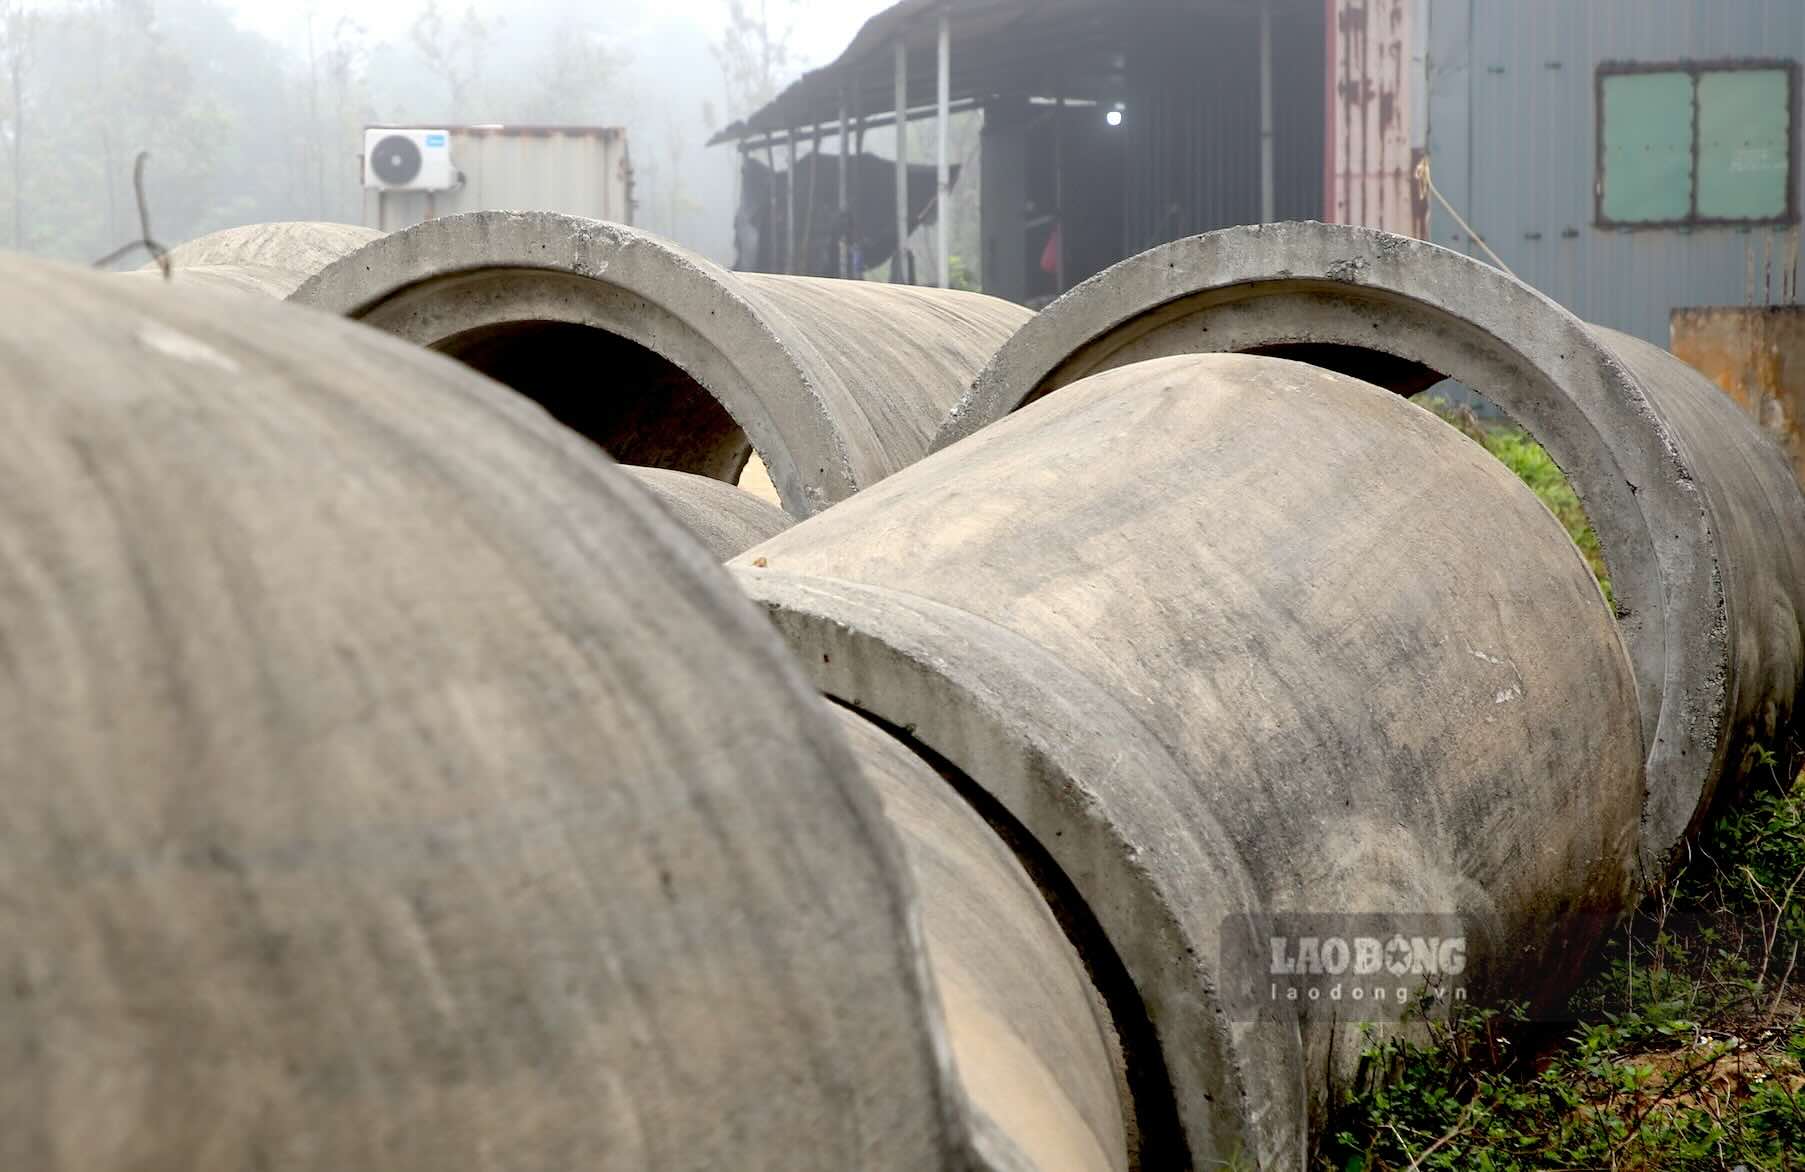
(271, 259)
(1032, 1041)
(1701, 526)
(724, 519)
(666, 359)
(1232, 635)
(402, 789)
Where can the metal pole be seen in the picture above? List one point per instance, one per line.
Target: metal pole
(942, 234)
(856, 268)
(789, 217)
(1059, 192)
(898, 274)
(767, 240)
(843, 253)
(1268, 192)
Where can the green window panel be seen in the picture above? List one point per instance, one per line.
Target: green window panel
(1647, 129)
(1744, 144)
(1686, 144)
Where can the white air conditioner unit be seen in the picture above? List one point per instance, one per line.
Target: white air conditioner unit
(408, 160)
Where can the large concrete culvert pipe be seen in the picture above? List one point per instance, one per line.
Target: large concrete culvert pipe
(1230, 636)
(667, 360)
(1701, 525)
(725, 520)
(388, 788)
(272, 259)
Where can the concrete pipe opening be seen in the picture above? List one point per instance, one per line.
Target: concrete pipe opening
(666, 359)
(636, 405)
(1699, 523)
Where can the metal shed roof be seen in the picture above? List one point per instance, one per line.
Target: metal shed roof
(1070, 49)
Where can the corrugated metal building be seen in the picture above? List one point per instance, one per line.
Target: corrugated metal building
(1109, 125)
(1626, 157)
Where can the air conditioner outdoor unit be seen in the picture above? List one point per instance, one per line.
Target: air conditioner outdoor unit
(408, 160)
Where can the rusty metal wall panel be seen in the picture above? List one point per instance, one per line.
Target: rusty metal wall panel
(1513, 142)
(1371, 158)
(1758, 357)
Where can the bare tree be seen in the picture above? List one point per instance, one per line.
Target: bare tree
(679, 205)
(316, 140)
(754, 51)
(575, 72)
(345, 63)
(18, 29)
(455, 52)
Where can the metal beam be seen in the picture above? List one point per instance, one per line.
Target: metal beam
(898, 269)
(789, 217)
(1268, 187)
(888, 118)
(843, 237)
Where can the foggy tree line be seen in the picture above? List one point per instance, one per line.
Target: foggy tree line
(241, 128)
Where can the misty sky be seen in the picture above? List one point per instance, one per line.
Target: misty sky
(239, 138)
(820, 35)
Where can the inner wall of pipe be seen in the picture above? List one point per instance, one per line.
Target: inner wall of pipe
(636, 405)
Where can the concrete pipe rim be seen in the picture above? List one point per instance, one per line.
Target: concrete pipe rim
(895, 639)
(1444, 312)
(697, 320)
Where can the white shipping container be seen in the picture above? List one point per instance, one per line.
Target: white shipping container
(577, 170)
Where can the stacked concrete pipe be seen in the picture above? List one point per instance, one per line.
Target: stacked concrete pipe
(407, 789)
(271, 259)
(660, 356)
(1701, 524)
(1227, 637)
(403, 789)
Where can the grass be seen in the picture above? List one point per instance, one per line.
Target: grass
(1534, 467)
(1689, 1052)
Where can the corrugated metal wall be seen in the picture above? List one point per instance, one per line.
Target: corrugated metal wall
(1193, 120)
(1513, 142)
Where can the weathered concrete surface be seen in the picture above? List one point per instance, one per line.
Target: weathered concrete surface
(1031, 1038)
(836, 384)
(1701, 535)
(1230, 635)
(1755, 355)
(724, 519)
(272, 259)
(1757, 561)
(401, 789)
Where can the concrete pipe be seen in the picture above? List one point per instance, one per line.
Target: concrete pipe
(271, 259)
(668, 360)
(724, 519)
(1230, 636)
(1033, 1042)
(401, 789)
(1702, 527)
